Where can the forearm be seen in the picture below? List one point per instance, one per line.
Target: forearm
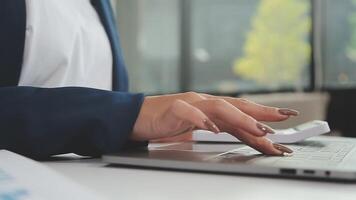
(39, 122)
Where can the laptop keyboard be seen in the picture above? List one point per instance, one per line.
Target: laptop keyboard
(313, 152)
(330, 153)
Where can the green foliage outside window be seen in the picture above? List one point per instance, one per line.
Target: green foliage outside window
(277, 47)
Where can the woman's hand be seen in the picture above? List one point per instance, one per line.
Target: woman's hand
(170, 115)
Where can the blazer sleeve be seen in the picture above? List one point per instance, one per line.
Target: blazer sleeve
(41, 122)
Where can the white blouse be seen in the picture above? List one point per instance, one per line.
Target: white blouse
(66, 45)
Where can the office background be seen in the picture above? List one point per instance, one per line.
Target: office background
(297, 53)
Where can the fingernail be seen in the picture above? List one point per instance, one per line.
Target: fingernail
(211, 126)
(288, 112)
(285, 150)
(266, 129)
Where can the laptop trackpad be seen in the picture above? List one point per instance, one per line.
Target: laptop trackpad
(210, 152)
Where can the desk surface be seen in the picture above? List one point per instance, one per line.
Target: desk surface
(129, 183)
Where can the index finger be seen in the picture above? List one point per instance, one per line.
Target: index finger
(219, 109)
(258, 111)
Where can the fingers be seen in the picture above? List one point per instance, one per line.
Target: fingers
(261, 112)
(261, 144)
(257, 111)
(224, 111)
(182, 116)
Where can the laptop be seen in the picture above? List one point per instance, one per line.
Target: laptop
(322, 157)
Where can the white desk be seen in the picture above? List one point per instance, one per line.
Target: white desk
(127, 183)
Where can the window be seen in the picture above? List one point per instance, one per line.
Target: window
(223, 46)
(339, 43)
(150, 38)
(248, 45)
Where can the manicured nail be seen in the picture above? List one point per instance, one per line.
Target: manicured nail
(285, 150)
(287, 154)
(288, 112)
(211, 126)
(264, 128)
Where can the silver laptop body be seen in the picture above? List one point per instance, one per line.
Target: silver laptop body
(328, 158)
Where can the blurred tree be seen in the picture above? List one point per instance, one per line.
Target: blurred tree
(277, 48)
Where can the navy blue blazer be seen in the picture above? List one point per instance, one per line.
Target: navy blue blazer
(41, 122)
